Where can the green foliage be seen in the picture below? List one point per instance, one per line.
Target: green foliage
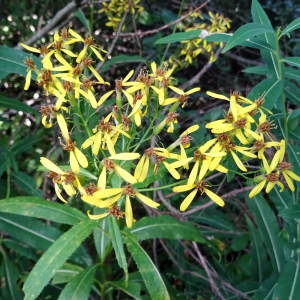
(50, 250)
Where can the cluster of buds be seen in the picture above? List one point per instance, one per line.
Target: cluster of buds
(120, 153)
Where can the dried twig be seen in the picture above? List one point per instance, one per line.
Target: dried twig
(142, 34)
(211, 280)
(195, 79)
(60, 16)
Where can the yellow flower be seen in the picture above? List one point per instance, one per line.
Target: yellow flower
(108, 197)
(183, 96)
(201, 187)
(110, 166)
(68, 180)
(77, 158)
(105, 136)
(272, 176)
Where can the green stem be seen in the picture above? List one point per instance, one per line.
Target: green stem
(161, 187)
(8, 183)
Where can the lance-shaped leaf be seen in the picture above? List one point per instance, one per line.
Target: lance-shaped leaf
(291, 27)
(40, 208)
(166, 227)
(179, 36)
(151, 276)
(244, 33)
(55, 257)
(80, 286)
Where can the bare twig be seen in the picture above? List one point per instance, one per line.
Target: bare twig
(243, 60)
(203, 263)
(142, 34)
(60, 16)
(195, 79)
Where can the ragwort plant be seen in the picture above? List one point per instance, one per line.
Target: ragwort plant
(113, 153)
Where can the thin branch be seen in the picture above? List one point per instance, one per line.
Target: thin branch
(202, 261)
(243, 60)
(60, 16)
(195, 79)
(142, 34)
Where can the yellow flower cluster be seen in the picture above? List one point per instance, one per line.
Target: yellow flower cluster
(115, 10)
(245, 131)
(189, 50)
(112, 135)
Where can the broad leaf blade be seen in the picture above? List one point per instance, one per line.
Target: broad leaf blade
(28, 230)
(288, 286)
(244, 33)
(166, 227)
(292, 60)
(270, 89)
(102, 239)
(259, 70)
(179, 36)
(151, 276)
(12, 61)
(10, 279)
(218, 37)
(268, 227)
(80, 286)
(55, 257)
(26, 183)
(117, 242)
(291, 213)
(40, 208)
(16, 104)
(294, 25)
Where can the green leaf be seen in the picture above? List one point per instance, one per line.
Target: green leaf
(259, 70)
(117, 242)
(80, 286)
(26, 183)
(41, 208)
(179, 36)
(130, 288)
(294, 25)
(10, 278)
(55, 257)
(79, 14)
(269, 230)
(292, 60)
(288, 286)
(16, 104)
(66, 273)
(166, 227)
(35, 233)
(291, 73)
(244, 33)
(258, 250)
(270, 89)
(259, 15)
(218, 37)
(291, 213)
(292, 91)
(151, 276)
(102, 239)
(122, 59)
(12, 61)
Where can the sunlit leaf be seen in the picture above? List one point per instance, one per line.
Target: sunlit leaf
(55, 257)
(151, 276)
(41, 208)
